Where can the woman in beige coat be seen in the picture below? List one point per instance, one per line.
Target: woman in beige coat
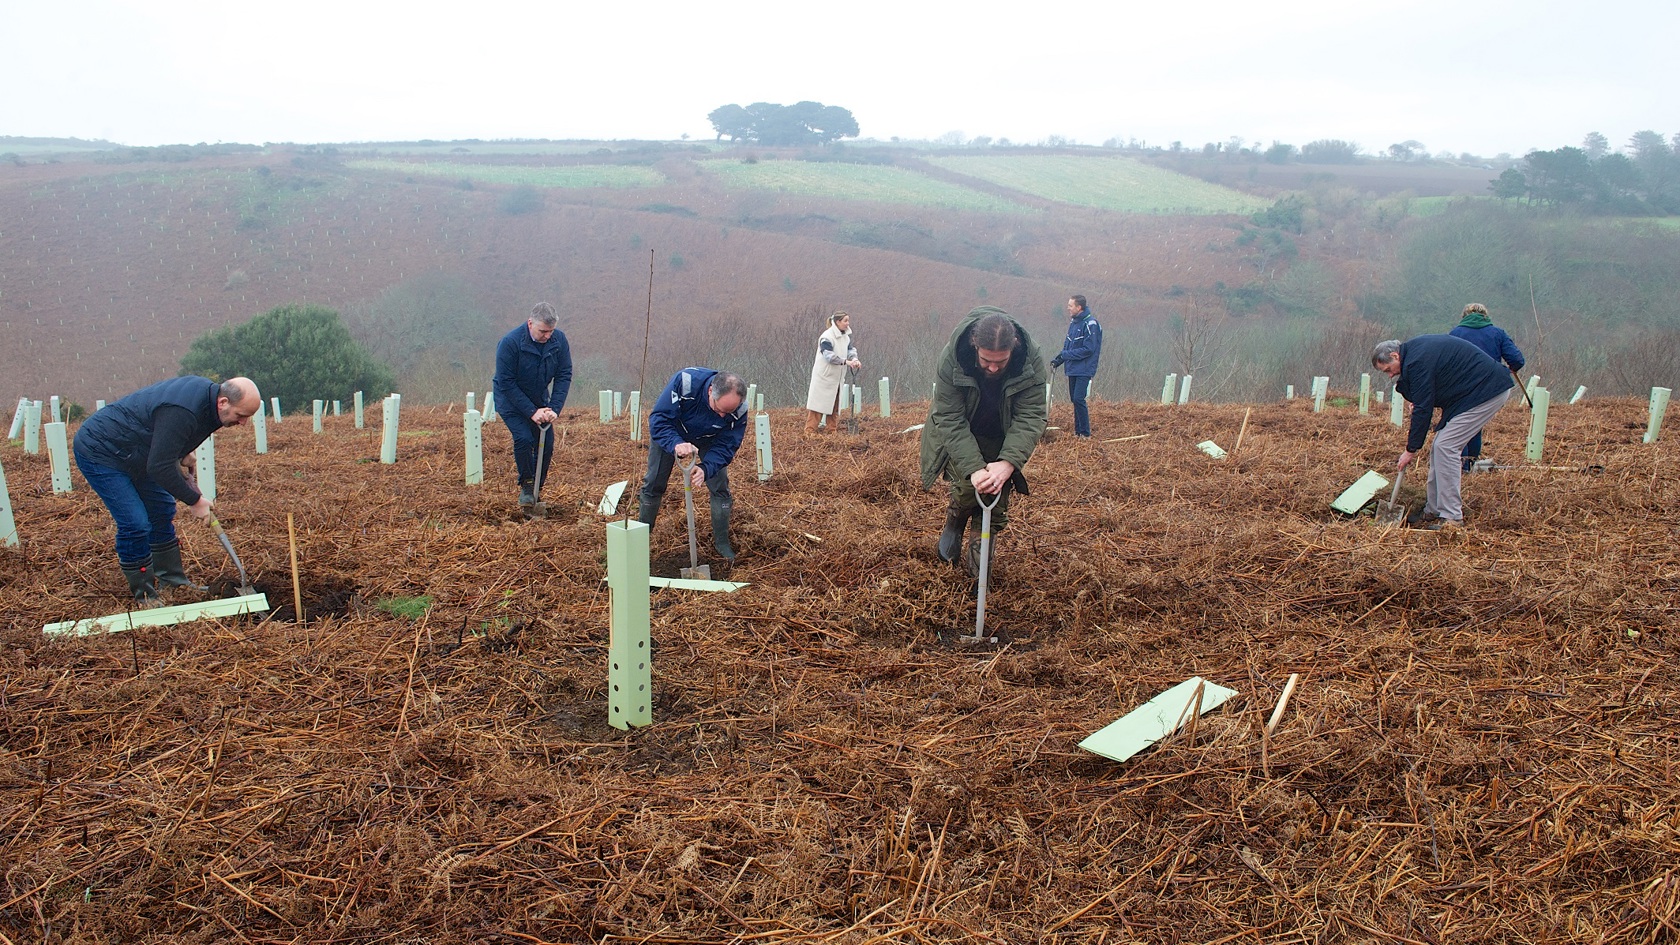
(835, 353)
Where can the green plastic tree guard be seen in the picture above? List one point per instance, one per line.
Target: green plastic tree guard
(32, 428)
(17, 418)
(318, 407)
(472, 401)
(388, 445)
(206, 454)
(1184, 389)
(1168, 388)
(338, 408)
(1579, 393)
(58, 450)
(276, 402)
(761, 430)
(159, 616)
(52, 409)
(629, 648)
(1156, 719)
(8, 525)
(635, 416)
(1537, 424)
(259, 428)
(1364, 395)
(489, 406)
(886, 397)
(357, 401)
(472, 426)
(618, 404)
(606, 406)
(1659, 406)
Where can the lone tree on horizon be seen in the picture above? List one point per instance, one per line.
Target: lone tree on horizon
(801, 123)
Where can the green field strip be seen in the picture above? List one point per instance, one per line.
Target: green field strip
(1108, 183)
(622, 176)
(872, 182)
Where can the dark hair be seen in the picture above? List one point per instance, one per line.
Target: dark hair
(1080, 301)
(995, 332)
(726, 383)
(544, 312)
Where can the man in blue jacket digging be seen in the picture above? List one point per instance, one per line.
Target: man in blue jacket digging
(1440, 371)
(702, 413)
(533, 377)
(136, 455)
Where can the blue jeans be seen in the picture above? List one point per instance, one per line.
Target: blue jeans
(525, 436)
(660, 465)
(1078, 387)
(144, 511)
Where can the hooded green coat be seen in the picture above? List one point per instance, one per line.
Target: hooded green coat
(947, 442)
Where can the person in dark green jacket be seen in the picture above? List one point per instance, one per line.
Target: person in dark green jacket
(989, 409)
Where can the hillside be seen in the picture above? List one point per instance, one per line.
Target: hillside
(109, 270)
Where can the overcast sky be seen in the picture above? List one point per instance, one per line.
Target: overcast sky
(1485, 76)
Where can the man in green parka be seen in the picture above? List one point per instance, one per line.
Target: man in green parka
(989, 409)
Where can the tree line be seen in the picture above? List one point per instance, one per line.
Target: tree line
(796, 125)
(1642, 179)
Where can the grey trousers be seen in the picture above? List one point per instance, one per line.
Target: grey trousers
(1446, 467)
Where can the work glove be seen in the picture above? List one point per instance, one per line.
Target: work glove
(1055, 363)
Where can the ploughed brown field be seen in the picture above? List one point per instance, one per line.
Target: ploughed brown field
(1481, 747)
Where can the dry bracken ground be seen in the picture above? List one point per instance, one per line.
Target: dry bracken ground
(1481, 747)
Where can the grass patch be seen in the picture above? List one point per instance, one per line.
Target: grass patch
(872, 182)
(1108, 183)
(621, 176)
(411, 607)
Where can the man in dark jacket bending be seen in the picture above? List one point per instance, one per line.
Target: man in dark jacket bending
(533, 377)
(131, 455)
(702, 413)
(1440, 371)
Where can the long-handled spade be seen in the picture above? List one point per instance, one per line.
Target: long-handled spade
(245, 588)
(852, 424)
(1392, 512)
(1522, 387)
(539, 508)
(985, 568)
(695, 569)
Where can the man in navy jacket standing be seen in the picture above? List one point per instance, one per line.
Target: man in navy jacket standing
(131, 453)
(702, 413)
(1469, 387)
(533, 377)
(1080, 352)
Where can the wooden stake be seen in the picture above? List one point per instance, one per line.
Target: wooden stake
(1244, 429)
(297, 588)
(1283, 702)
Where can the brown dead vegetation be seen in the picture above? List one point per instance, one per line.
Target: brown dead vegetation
(1481, 748)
